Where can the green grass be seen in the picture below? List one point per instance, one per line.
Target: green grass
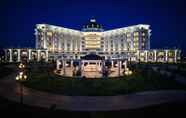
(141, 80)
(5, 70)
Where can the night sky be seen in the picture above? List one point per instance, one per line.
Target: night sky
(166, 17)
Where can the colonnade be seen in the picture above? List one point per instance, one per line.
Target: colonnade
(158, 55)
(98, 65)
(28, 53)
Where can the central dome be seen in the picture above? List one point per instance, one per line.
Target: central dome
(92, 26)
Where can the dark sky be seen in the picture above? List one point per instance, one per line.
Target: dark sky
(166, 17)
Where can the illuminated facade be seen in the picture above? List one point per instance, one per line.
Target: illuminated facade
(129, 43)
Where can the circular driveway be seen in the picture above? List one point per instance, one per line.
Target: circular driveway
(10, 89)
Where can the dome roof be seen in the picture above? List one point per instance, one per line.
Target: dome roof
(92, 25)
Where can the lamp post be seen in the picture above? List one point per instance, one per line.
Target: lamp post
(20, 78)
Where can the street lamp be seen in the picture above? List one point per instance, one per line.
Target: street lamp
(21, 66)
(128, 72)
(20, 78)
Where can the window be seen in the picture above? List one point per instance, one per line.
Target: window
(143, 34)
(128, 35)
(128, 39)
(135, 38)
(136, 34)
(68, 45)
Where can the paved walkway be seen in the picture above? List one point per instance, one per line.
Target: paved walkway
(10, 89)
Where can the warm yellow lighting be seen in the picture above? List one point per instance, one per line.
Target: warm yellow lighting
(128, 35)
(136, 39)
(126, 72)
(21, 73)
(130, 72)
(160, 53)
(25, 77)
(92, 40)
(21, 66)
(17, 78)
(20, 76)
(49, 33)
(136, 33)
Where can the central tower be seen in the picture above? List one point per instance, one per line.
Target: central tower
(92, 36)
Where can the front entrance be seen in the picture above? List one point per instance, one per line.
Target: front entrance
(91, 65)
(91, 68)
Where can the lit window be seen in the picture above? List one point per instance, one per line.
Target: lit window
(128, 35)
(136, 33)
(136, 39)
(49, 33)
(143, 34)
(128, 39)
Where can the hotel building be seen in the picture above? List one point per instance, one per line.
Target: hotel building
(128, 43)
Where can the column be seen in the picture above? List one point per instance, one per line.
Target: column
(146, 56)
(36, 36)
(155, 55)
(58, 64)
(64, 67)
(114, 50)
(10, 59)
(71, 45)
(71, 63)
(46, 52)
(18, 55)
(82, 66)
(75, 44)
(65, 44)
(53, 44)
(103, 68)
(29, 54)
(112, 64)
(119, 65)
(166, 55)
(5, 51)
(44, 40)
(59, 45)
(80, 48)
(119, 46)
(138, 55)
(175, 56)
(38, 55)
(125, 65)
(106, 57)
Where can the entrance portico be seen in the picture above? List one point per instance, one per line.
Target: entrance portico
(91, 68)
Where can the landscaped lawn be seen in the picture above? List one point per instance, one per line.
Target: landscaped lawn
(5, 70)
(143, 79)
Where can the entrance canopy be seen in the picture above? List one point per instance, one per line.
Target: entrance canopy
(92, 57)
